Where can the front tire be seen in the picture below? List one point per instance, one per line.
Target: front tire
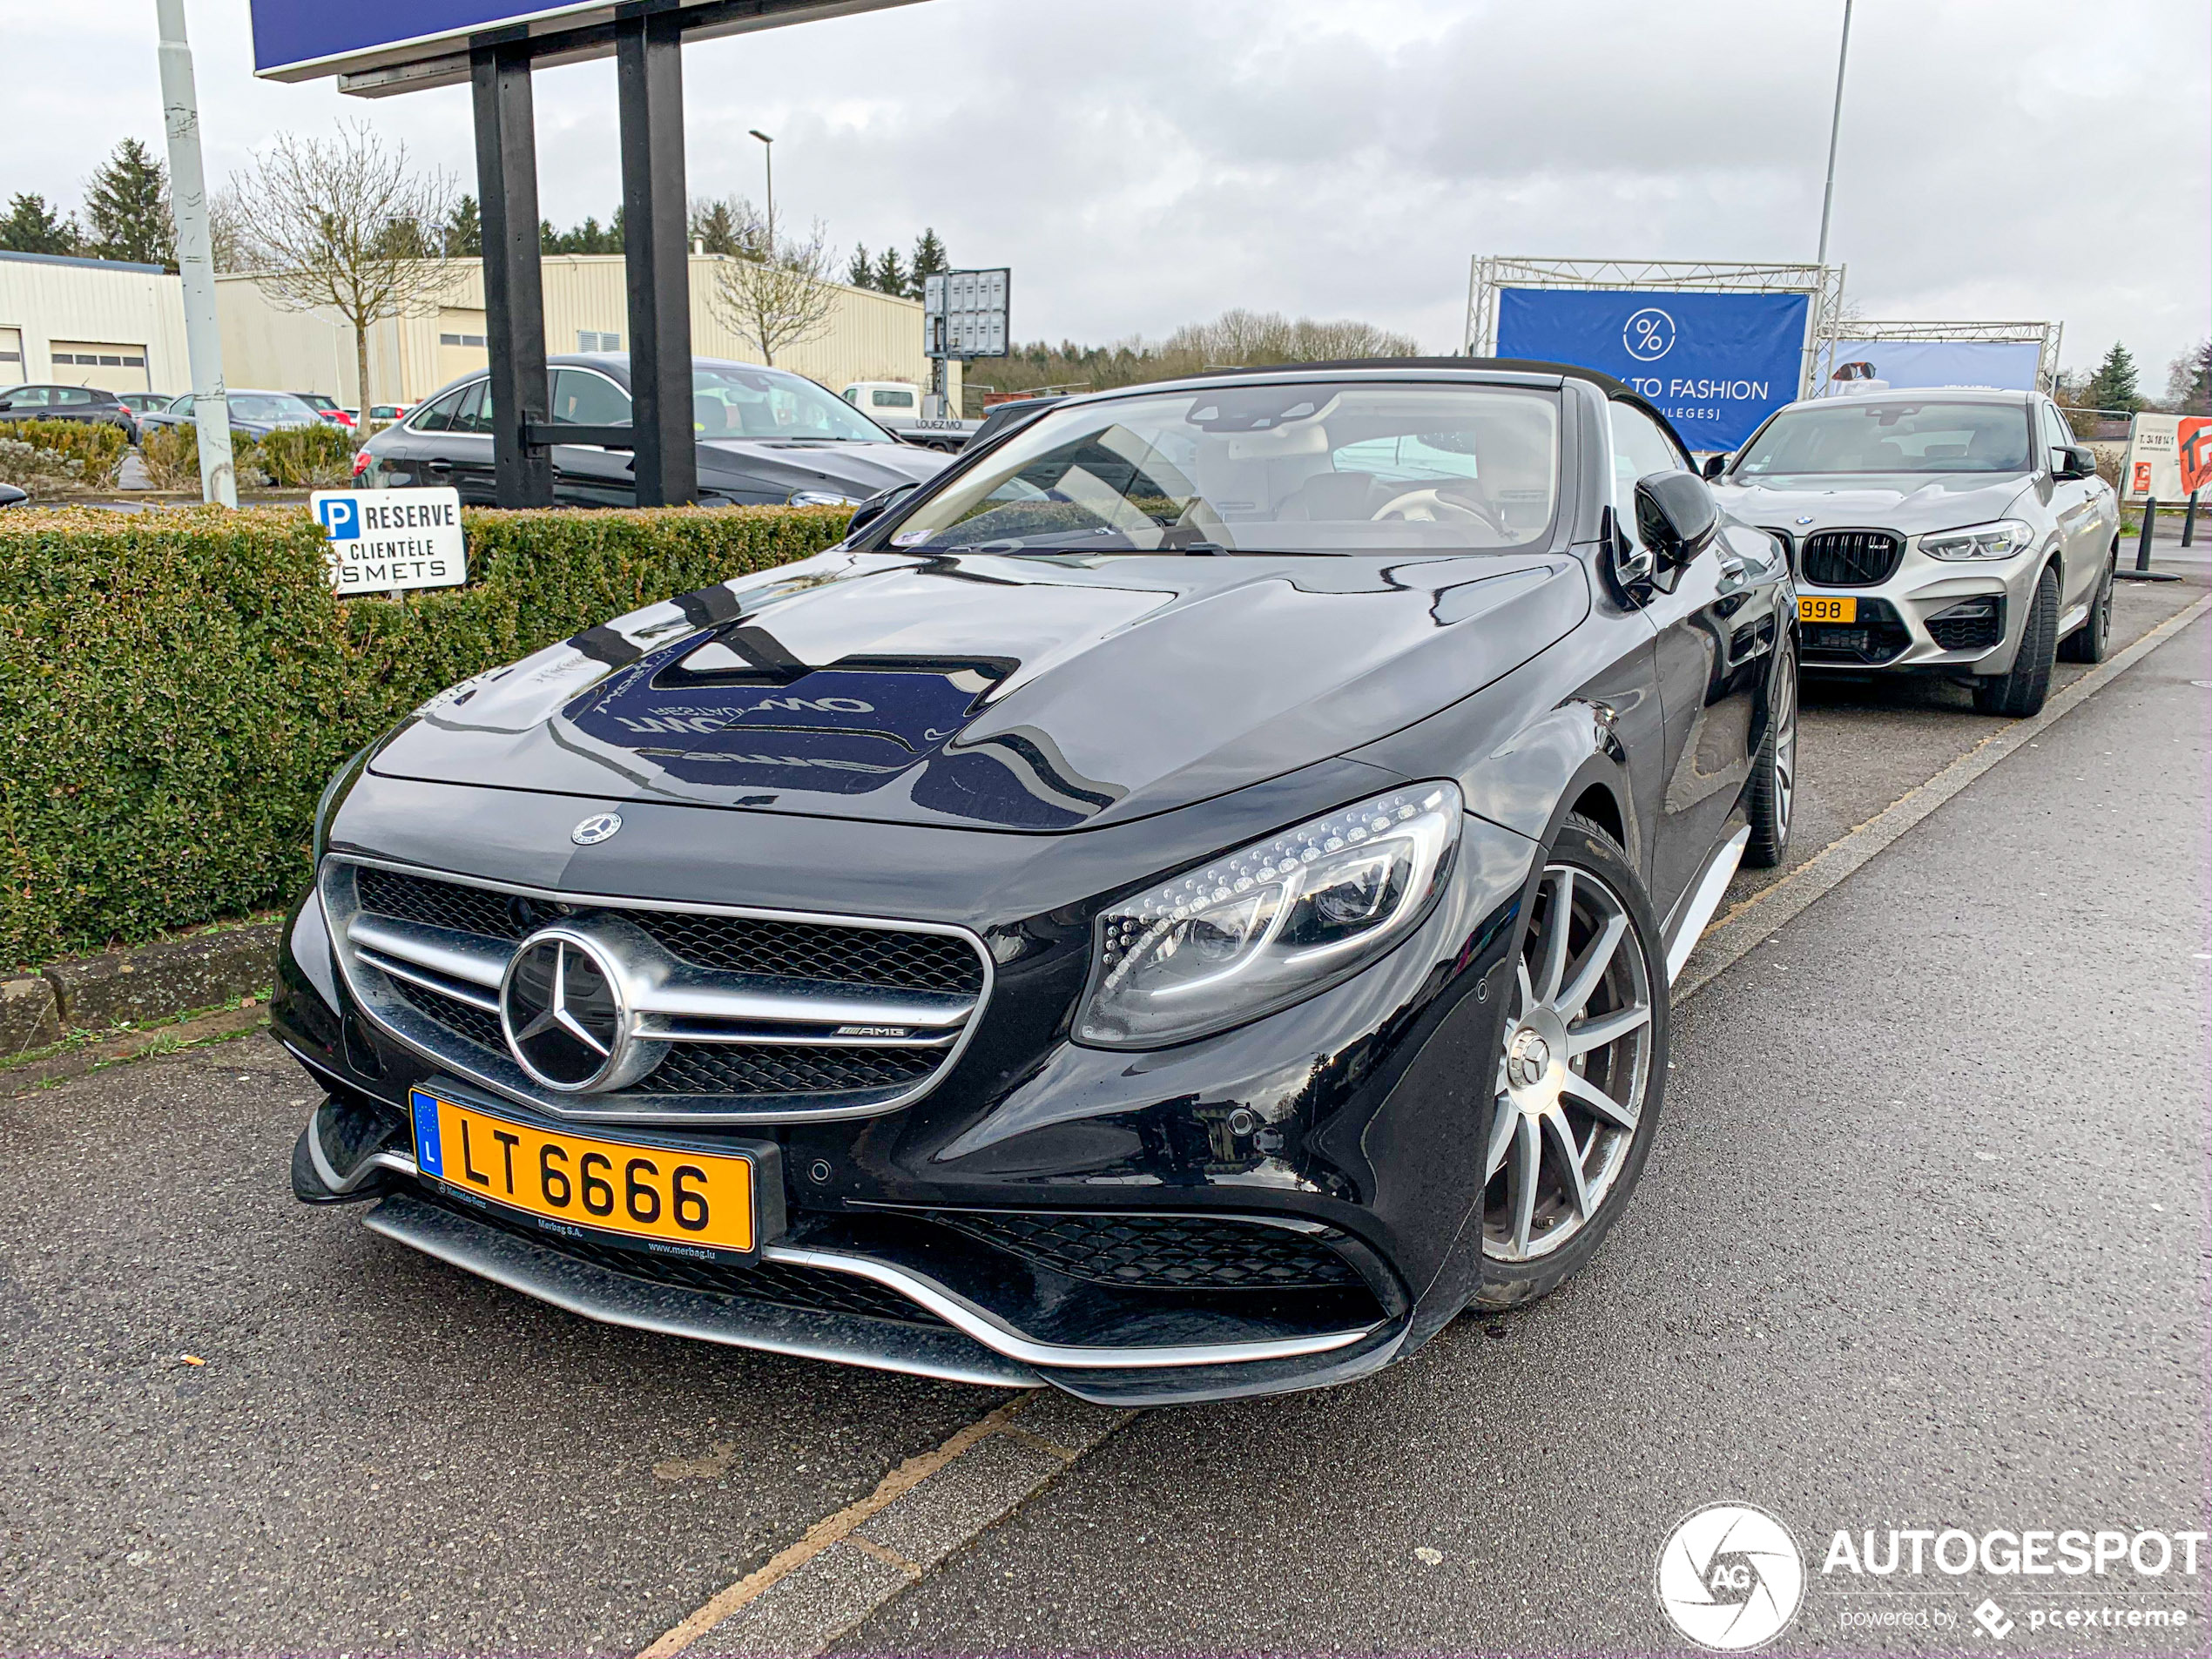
(2092, 641)
(2021, 693)
(1774, 771)
(1580, 1073)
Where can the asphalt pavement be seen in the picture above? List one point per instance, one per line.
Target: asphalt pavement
(1922, 1244)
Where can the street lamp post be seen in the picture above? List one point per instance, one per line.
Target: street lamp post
(768, 161)
(1835, 132)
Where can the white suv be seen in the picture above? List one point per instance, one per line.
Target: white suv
(1964, 532)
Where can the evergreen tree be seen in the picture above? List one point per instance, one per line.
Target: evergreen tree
(890, 273)
(464, 231)
(2189, 381)
(727, 224)
(929, 261)
(2113, 386)
(861, 274)
(548, 240)
(30, 226)
(126, 204)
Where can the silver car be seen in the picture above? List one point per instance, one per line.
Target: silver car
(1962, 532)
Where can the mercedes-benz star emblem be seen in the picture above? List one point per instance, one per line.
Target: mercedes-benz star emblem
(600, 827)
(563, 1009)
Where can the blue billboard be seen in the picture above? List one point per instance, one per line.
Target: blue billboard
(1999, 365)
(299, 39)
(1715, 364)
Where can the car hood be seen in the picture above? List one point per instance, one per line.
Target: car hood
(856, 469)
(988, 691)
(1909, 503)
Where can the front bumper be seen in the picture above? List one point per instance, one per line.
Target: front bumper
(1928, 614)
(1311, 1171)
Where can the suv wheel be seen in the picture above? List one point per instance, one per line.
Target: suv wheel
(2092, 641)
(1580, 1073)
(1774, 773)
(2022, 691)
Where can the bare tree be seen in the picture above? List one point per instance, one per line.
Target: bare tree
(345, 225)
(782, 301)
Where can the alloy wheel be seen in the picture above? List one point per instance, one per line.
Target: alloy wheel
(1575, 1068)
(1785, 747)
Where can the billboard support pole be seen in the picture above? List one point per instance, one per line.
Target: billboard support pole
(649, 89)
(514, 274)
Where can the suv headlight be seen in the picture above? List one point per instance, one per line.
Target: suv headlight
(820, 498)
(1270, 924)
(2006, 539)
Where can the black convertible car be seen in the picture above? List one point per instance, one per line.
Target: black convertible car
(1181, 905)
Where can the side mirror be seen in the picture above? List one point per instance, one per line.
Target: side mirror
(876, 506)
(1715, 466)
(1676, 516)
(2072, 460)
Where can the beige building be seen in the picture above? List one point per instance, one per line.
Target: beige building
(869, 336)
(94, 322)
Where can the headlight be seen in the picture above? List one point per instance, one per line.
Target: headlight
(821, 498)
(2004, 539)
(1267, 926)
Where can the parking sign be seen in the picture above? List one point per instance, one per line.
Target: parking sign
(384, 540)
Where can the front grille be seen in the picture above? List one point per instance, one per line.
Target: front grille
(450, 904)
(926, 982)
(465, 1019)
(1974, 625)
(1161, 1252)
(1877, 636)
(782, 1069)
(880, 957)
(1850, 558)
(815, 1290)
(709, 1067)
(876, 956)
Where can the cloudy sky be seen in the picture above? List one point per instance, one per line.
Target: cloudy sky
(1143, 163)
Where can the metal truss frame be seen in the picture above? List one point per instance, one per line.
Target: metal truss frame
(1822, 284)
(2045, 336)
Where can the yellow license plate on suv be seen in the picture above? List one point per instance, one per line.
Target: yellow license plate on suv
(1821, 608)
(653, 1194)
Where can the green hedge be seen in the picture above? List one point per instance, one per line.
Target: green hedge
(176, 687)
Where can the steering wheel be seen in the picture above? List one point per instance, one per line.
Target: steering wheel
(1438, 504)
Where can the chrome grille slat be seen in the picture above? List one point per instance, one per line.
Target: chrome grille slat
(425, 954)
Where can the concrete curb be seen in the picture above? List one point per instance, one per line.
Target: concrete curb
(121, 987)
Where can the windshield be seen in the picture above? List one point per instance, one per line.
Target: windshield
(272, 408)
(1325, 468)
(737, 403)
(1865, 435)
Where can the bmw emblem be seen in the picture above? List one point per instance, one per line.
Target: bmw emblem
(1803, 518)
(600, 827)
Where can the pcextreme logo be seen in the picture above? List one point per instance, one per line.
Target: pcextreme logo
(1730, 1577)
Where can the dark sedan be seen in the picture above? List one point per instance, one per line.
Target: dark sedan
(1180, 907)
(86, 403)
(253, 414)
(765, 436)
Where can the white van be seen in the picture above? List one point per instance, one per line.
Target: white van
(899, 405)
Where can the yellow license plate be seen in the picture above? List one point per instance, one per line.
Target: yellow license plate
(1820, 607)
(697, 1199)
